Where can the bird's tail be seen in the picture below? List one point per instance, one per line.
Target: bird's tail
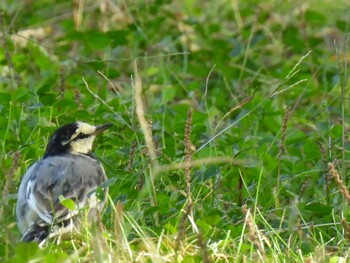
(37, 233)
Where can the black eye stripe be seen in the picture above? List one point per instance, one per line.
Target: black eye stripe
(81, 136)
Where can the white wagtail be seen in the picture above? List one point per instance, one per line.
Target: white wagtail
(68, 170)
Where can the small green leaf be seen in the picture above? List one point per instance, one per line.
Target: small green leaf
(5, 97)
(118, 37)
(20, 94)
(100, 193)
(48, 99)
(151, 71)
(109, 182)
(212, 219)
(151, 210)
(211, 171)
(44, 89)
(68, 203)
(316, 209)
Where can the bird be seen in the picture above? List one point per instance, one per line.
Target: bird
(68, 170)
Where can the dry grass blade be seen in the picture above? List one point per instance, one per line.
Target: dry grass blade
(201, 162)
(253, 237)
(188, 211)
(281, 151)
(281, 146)
(339, 182)
(188, 154)
(204, 249)
(291, 74)
(327, 176)
(140, 112)
(118, 222)
(131, 156)
(346, 228)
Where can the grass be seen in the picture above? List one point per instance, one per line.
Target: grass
(230, 137)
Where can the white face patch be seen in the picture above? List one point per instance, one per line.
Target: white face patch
(82, 145)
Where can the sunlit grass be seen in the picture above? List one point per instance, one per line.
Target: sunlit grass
(225, 117)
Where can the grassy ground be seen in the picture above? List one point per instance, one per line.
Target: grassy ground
(230, 137)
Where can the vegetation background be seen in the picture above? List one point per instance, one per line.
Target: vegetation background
(226, 116)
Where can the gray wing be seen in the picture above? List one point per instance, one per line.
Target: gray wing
(25, 215)
(72, 176)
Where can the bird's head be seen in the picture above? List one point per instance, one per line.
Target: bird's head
(74, 138)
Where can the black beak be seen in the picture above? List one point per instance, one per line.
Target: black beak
(102, 128)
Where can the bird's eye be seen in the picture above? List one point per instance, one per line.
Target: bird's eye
(82, 136)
